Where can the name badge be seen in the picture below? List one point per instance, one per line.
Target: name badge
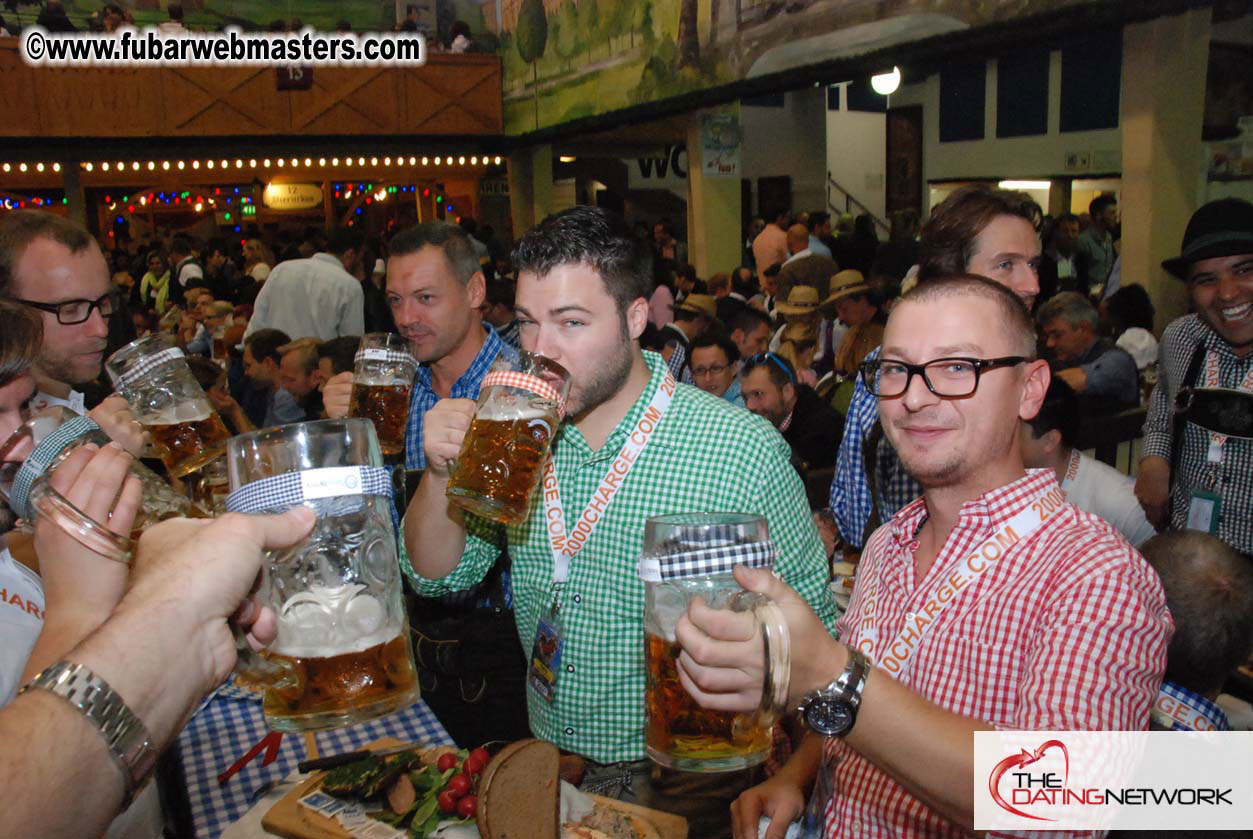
(1204, 511)
(546, 656)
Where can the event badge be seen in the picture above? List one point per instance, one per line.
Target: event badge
(546, 654)
(1204, 511)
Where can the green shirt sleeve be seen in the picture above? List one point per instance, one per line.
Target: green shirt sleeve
(484, 541)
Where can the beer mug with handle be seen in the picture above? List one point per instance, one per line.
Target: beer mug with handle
(342, 654)
(502, 457)
(154, 377)
(689, 555)
(34, 451)
(382, 377)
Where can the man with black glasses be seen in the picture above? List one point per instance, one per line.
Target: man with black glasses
(54, 266)
(989, 603)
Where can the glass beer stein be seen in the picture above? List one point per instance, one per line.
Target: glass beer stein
(382, 377)
(39, 445)
(154, 377)
(502, 457)
(689, 555)
(342, 654)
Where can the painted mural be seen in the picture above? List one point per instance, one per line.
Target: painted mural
(569, 59)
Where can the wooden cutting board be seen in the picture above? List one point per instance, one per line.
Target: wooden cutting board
(287, 818)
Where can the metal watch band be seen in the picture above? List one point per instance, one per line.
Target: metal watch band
(852, 681)
(124, 733)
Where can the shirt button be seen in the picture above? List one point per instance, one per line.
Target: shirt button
(569, 668)
(569, 730)
(578, 598)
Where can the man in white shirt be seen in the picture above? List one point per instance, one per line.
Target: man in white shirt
(316, 297)
(1048, 442)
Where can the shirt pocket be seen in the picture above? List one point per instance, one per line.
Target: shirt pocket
(980, 676)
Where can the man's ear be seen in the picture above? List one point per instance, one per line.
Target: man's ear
(476, 287)
(1034, 388)
(637, 317)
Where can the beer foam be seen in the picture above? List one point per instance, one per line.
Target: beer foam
(513, 409)
(329, 621)
(195, 410)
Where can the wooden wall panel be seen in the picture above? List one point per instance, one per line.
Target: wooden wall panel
(450, 95)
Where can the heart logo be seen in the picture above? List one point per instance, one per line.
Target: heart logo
(1025, 758)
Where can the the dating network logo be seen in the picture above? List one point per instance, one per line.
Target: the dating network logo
(1027, 788)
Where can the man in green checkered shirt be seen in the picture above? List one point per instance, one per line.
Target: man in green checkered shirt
(583, 282)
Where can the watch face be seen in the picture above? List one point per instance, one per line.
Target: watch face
(829, 717)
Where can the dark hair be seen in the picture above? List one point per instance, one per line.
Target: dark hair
(264, 344)
(1098, 204)
(343, 239)
(746, 319)
(593, 237)
(21, 336)
(744, 284)
(468, 224)
(1128, 307)
(716, 338)
(1060, 412)
(947, 240)
(779, 369)
(206, 371)
(1209, 591)
(652, 338)
(501, 293)
(341, 351)
(817, 218)
(449, 238)
(180, 245)
(216, 245)
(687, 271)
(1016, 319)
(19, 229)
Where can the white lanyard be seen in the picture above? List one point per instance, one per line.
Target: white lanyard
(565, 547)
(1216, 440)
(897, 655)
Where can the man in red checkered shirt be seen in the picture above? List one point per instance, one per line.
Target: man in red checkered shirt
(989, 603)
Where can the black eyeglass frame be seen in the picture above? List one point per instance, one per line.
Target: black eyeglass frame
(980, 365)
(758, 359)
(55, 308)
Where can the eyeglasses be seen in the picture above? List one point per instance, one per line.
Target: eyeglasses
(71, 312)
(951, 378)
(763, 357)
(711, 370)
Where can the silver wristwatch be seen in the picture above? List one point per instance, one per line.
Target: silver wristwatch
(127, 737)
(832, 710)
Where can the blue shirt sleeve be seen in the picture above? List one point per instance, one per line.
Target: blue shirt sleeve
(850, 494)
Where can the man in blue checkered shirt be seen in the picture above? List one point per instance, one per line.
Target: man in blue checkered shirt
(976, 230)
(435, 287)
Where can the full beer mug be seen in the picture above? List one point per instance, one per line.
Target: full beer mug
(502, 457)
(154, 377)
(342, 654)
(689, 555)
(39, 445)
(382, 377)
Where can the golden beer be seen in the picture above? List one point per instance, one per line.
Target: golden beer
(219, 349)
(327, 691)
(683, 735)
(186, 446)
(387, 406)
(500, 465)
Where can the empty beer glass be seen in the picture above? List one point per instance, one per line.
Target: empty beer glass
(342, 654)
(39, 445)
(154, 377)
(689, 555)
(502, 457)
(382, 377)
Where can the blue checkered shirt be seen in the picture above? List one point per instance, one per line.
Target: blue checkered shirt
(850, 492)
(511, 334)
(424, 396)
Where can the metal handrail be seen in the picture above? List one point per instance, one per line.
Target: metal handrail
(850, 199)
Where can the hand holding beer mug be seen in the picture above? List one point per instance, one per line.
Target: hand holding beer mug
(690, 555)
(502, 457)
(342, 654)
(154, 377)
(39, 445)
(382, 377)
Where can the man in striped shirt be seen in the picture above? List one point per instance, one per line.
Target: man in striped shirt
(988, 603)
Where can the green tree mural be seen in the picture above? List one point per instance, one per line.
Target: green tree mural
(531, 37)
(689, 41)
(567, 43)
(589, 23)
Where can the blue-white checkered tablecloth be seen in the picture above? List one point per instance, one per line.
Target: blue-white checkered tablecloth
(231, 723)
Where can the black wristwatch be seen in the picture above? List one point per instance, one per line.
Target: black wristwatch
(832, 710)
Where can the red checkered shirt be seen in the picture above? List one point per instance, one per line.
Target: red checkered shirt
(1068, 631)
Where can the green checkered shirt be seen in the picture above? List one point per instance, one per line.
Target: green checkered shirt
(707, 454)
